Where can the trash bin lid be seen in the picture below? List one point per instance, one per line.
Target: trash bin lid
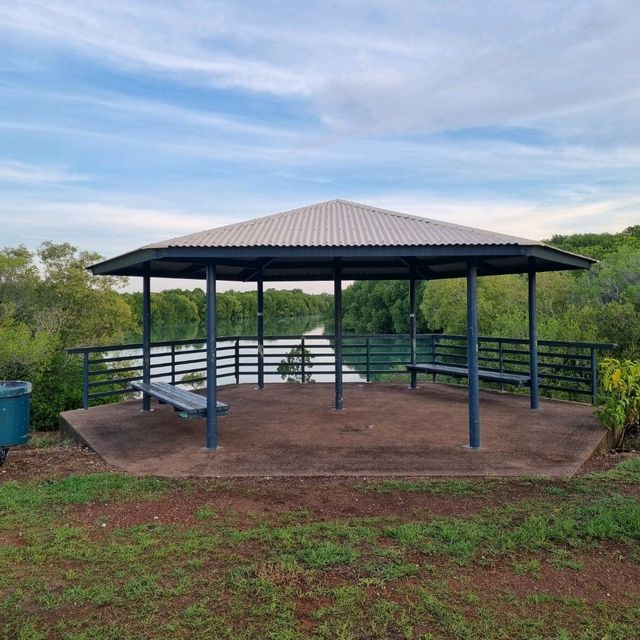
(12, 388)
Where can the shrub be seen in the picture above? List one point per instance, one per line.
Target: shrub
(619, 405)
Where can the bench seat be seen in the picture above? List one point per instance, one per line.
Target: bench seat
(187, 403)
(518, 379)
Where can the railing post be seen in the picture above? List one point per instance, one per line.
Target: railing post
(500, 363)
(85, 380)
(302, 360)
(594, 375)
(237, 360)
(433, 354)
(368, 359)
(173, 363)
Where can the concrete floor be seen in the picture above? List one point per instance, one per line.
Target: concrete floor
(384, 430)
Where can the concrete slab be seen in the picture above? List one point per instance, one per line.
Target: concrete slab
(384, 430)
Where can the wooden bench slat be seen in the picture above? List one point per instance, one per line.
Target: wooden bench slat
(463, 372)
(189, 404)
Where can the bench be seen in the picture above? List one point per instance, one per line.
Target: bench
(187, 403)
(518, 379)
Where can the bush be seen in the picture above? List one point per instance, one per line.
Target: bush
(619, 404)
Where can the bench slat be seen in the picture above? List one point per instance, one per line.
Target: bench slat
(189, 404)
(463, 372)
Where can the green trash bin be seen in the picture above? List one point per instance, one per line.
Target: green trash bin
(15, 401)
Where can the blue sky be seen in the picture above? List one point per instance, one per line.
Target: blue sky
(122, 123)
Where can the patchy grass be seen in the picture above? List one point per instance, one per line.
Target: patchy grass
(430, 487)
(559, 561)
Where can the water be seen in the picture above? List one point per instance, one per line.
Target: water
(322, 352)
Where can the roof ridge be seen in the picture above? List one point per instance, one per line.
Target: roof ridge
(370, 209)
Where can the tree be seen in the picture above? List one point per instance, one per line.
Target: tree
(49, 302)
(296, 366)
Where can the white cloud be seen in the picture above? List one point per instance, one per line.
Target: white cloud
(405, 66)
(24, 173)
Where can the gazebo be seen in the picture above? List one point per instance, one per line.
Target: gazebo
(334, 241)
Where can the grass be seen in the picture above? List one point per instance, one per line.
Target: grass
(430, 487)
(285, 575)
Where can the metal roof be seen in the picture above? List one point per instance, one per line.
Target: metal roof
(340, 223)
(371, 243)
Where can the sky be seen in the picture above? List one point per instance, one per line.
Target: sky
(124, 123)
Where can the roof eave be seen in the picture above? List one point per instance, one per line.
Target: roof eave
(123, 262)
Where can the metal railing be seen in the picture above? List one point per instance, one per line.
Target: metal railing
(566, 369)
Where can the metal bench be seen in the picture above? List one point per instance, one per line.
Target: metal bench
(187, 403)
(518, 379)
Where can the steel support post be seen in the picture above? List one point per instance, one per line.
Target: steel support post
(472, 355)
(260, 329)
(146, 334)
(413, 325)
(337, 301)
(212, 383)
(533, 337)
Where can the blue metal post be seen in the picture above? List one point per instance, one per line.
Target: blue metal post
(594, 375)
(337, 302)
(368, 356)
(533, 337)
(146, 334)
(260, 320)
(212, 400)
(85, 380)
(236, 352)
(472, 355)
(434, 354)
(413, 323)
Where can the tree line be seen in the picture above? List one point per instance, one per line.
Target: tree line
(600, 305)
(183, 307)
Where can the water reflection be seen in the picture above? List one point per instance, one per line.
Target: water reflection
(193, 331)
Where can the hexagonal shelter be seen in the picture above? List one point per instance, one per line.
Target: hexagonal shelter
(335, 241)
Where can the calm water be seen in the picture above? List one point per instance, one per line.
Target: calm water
(275, 350)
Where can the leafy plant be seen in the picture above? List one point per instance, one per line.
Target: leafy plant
(193, 379)
(296, 366)
(619, 407)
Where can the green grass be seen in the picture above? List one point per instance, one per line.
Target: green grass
(430, 487)
(293, 575)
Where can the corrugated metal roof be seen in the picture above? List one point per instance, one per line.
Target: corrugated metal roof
(340, 223)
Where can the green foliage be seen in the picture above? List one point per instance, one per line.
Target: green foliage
(601, 305)
(374, 306)
(290, 368)
(503, 309)
(181, 313)
(619, 406)
(193, 379)
(50, 301)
